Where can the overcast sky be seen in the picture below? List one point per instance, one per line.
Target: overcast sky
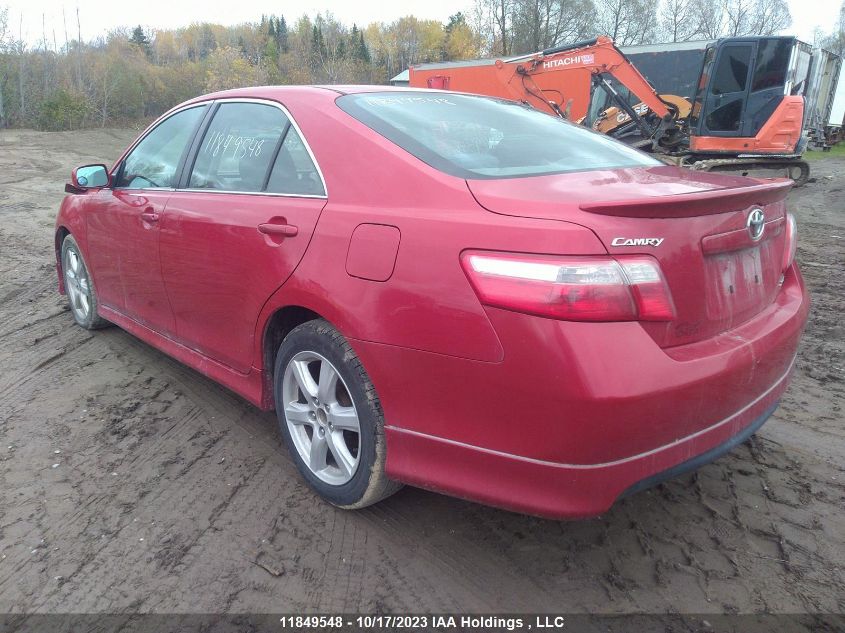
(99, 16)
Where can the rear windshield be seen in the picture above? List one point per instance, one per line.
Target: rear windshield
(479, 137)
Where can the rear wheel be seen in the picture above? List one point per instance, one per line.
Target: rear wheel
(79, 287)
(331, 417)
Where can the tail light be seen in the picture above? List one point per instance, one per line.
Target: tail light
(571, 288)
(791, 243)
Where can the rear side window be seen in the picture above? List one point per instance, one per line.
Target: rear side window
(152, 163)
(238, 147)
(479, 137)
(294, 171)
(772, 64)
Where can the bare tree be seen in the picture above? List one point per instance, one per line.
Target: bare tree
(539, 24)
(735, 18)
(331, 55)
(510, 27)
(491, 20)
(835, 41)
(21, 49)
(738, 17)
(769, 17)
(677, 22)
(628, 22)
(4, 24)
(708, 17)
(502, 12)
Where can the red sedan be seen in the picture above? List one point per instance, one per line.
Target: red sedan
(450, 291)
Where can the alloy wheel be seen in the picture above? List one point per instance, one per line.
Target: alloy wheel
(321, 417)
(77, 284)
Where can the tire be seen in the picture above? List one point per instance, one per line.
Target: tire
(79, 287)
(313, 403)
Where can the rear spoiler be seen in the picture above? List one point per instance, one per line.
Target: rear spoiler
(685, 205)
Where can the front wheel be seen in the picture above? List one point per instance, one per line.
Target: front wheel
(79, 287)
(330, 417)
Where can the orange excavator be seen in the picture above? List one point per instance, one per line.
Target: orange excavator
(747, 112)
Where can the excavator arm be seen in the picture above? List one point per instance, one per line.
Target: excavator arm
(525, 78)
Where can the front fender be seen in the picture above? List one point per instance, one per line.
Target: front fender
(69, 220)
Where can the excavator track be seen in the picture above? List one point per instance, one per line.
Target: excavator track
(798, 170)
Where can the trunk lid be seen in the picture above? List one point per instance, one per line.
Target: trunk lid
(695, 224)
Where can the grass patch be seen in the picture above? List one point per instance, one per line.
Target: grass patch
(836, 150)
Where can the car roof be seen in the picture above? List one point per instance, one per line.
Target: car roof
(271, 92)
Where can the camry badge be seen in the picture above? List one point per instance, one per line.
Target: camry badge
(756, 223)
(637, 241)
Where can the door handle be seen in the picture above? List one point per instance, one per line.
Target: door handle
(149, 216)
(280, 230)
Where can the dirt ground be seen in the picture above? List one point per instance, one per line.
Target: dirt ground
(131, 483)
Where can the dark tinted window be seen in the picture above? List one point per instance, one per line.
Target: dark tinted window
(731, 70)
(725, 118)
(153, 162)
(772, 64)
(238, 147)
(479, 137)
(294, 171)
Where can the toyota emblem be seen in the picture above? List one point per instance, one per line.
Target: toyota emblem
(756, 223)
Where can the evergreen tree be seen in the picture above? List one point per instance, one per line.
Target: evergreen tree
(282, 35)
(357, 47)
(140, 39)
(318, 44)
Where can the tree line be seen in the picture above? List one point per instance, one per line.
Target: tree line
(130, 74)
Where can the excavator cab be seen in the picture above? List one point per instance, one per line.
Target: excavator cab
(750, 97)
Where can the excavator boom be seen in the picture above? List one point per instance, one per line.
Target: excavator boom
(556, 80)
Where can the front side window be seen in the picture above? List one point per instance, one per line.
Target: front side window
(152, 164)
(238, 147)
(732, 70)
(479, 137)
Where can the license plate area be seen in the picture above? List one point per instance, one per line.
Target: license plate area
(740, 283)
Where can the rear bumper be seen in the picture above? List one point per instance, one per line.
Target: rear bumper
(698, 461)
(579, 414)
(563, 491)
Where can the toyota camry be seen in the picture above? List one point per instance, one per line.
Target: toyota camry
(444, 290)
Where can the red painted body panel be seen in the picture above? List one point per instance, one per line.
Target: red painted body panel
(372, 251)
(124, 250)
(219, 270)
(529, 413)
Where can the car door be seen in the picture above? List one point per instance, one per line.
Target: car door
(123, 222)
(725, 102)
(238, 227)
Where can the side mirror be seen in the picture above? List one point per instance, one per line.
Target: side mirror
(87, 177)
